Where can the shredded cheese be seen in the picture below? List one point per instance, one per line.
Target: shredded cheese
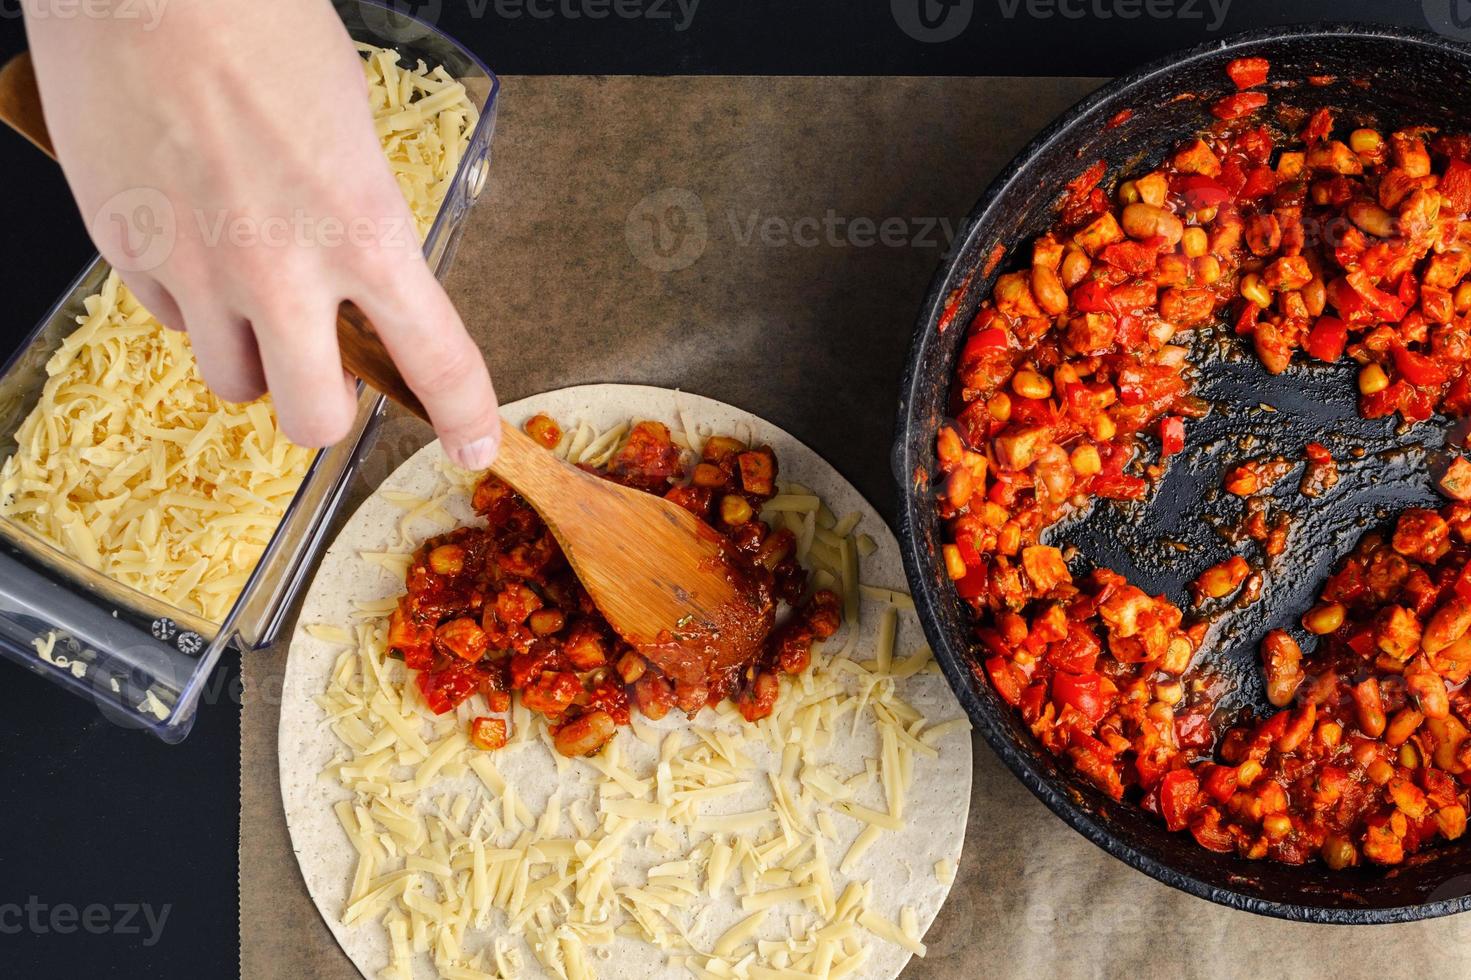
(131, 466)
(686, 794)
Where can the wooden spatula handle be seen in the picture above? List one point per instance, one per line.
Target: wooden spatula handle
(364, 355)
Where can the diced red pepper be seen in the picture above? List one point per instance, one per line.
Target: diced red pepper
(1248, 72)
(1238, 105)
(1327, 339)
(1084, 692)
(973, 584)
(984, 343)
(1171, 435)
(1418, 369)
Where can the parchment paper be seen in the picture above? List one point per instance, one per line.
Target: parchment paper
(766, 241)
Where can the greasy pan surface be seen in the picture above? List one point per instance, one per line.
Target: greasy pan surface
(1385, 78)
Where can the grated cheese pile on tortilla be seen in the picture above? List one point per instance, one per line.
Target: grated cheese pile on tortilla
(736, 849)
(129, 464)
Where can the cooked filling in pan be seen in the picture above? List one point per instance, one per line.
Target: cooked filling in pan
(1301, 235)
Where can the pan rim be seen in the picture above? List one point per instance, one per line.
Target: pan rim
(906, 459)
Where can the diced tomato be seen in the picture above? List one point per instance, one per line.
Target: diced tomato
(1455, 186)
(1006, 679)
(445, 689)
(1462, 585)
(1319, 126)
(1238, 105)
(1418, 369)
(1260, 181)
(1084, 692)
(1220, 782)
(1179, 795)
(1210, 835)
(1248, 72)
(1201, 192)
(1247, 318)
(1090, 296)
(1327, 339)
(973, 584)
(1171, 435)
(1193, 730)
(1135, 258)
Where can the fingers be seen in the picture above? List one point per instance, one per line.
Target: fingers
(442, 365)
(156, 299)
(314, 400)
(225, 347)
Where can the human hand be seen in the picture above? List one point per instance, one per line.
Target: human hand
(253, 114)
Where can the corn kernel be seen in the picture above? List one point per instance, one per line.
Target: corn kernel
(1338, 853)
(1207, 269)
(1030, 384)
(1365, 141)
(999, 406)
(447, 559)
(735, 509)
(1194, 242)
(954, 564)
(1103, 427)
(1255, 290)
(1247, 772)
(1372, 379)
(1085, 460)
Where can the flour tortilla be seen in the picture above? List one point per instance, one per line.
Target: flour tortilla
(901, 865)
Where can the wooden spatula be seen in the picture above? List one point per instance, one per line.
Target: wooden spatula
(660, 576)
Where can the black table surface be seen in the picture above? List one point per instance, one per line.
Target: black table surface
(118, 853)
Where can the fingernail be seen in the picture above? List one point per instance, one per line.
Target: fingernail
(476, 455)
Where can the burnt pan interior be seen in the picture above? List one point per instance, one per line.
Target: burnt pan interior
(1385, 78)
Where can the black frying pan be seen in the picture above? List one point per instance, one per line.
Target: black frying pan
(1388, 78)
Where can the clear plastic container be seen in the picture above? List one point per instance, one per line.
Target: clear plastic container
(145, 663)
